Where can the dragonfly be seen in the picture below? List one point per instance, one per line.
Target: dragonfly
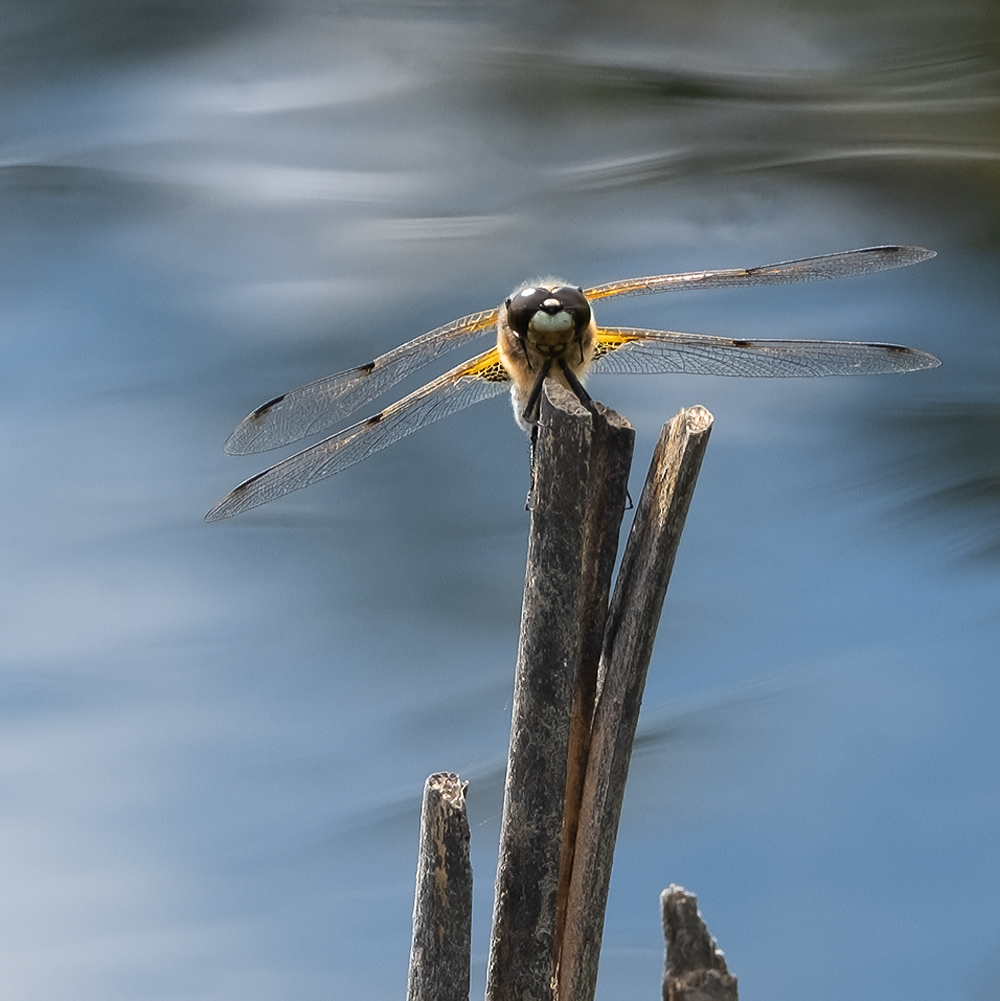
(545, 328)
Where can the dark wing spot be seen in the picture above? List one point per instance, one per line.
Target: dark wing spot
(245, 485)
(265, 407)
(374, 420)
(367, 368)
(891, 348)
(742, 344)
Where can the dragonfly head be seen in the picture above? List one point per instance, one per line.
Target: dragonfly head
(549, 316)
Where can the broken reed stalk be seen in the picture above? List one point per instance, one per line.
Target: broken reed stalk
(578, 499)
(607, 493)
(695, 968)
(628, 645)
(442, 907)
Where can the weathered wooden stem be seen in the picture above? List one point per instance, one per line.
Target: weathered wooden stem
(607, 493)
(578, 500)
(695, 968)
(628, 644)
(442, 906)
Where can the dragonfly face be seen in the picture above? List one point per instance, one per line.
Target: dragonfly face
(546, 328)
(549, 318)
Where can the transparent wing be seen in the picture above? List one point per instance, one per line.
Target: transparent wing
(628, 349)
(842, 265)
(321, 404)
(472, 382)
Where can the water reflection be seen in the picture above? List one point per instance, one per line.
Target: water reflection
(60, 38)
(952, 451)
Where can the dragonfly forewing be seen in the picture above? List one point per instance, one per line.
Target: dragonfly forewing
(319, 405)
(842, 265)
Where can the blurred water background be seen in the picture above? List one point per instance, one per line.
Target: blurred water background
(214, 738)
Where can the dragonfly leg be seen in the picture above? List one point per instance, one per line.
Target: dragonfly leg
(574, 383)
(530, 412)
(530, 499)
(524, 351)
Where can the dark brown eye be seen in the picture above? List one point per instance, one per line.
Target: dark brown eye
(574, 301)
(523, 305)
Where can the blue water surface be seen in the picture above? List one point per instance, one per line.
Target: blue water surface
(214, 738)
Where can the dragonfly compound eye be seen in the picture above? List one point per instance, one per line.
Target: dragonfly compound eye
(524, 305)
